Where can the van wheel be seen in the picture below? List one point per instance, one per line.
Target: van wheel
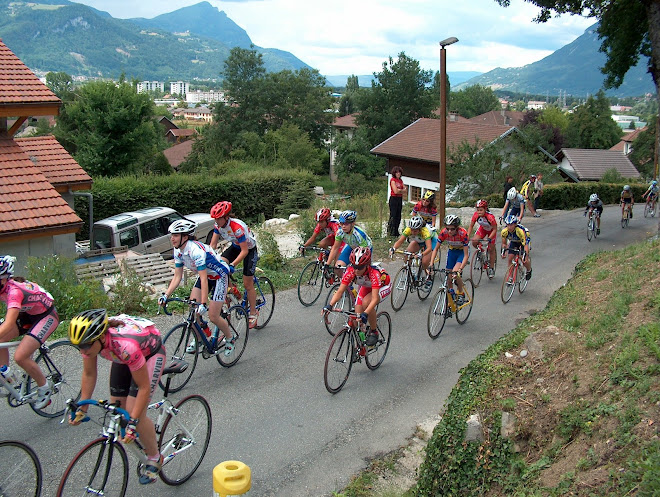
(208, 237)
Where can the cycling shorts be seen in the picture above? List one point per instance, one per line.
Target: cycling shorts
(383, 291)
(626, 200)
(483, 234)
(38, 326)
(345, 253)
(250, 261)
(514, 247)
(217, 288)
(121, 379)
(454, 256)
(515, 211)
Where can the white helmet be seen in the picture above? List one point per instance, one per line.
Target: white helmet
(511, 194)
(7, 266)
(593, 197)
(183, 226)
(626, 188)
(416, 222)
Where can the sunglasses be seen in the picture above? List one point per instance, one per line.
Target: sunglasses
(451, 228)
(360, 268)
(85, 346)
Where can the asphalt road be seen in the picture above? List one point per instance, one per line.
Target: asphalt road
(272, 411)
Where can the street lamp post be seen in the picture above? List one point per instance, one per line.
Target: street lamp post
(443, 125)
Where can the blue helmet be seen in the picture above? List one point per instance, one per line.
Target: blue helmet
(348, 217)
(654, 183)
(511, 219)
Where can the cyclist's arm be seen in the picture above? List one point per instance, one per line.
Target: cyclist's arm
(470, 228)
(88, 380)
(522, 210)
(242, 255)
(204, 283)
(399, 242)
(214, 241)
(176, 279)
(310, 240)
(340, 291)
(506, 204)
(9, 324)
(375, 299)
(466, 257)
(428, 248)
(334, 252)
(143, 382)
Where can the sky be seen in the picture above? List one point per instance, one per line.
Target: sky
(346, 37)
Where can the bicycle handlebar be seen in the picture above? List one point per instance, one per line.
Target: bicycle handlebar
(193, 303)
(112, 408)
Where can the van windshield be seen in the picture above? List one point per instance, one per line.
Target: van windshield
(102, 238)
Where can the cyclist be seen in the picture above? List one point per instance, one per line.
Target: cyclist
(30, 312)
(595, 205)
(457, 256)
(419, 237)
(347, 238)
(375, 285)
(135, 347)
(426, 209)
(325, 223)
(487, 229)
(211, 278)
(651, 194)
(627, 198)
(243, 248)
(515, 236)
(527, 191)
(514, 205)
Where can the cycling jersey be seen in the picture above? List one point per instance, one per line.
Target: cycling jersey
(331, 228)
(27, 297)
(524, 190)
(356, 238)
(373, 277)
(427, 213)
(236, 231)
(456, 241)
(197, 257)
(421, 237)
(598, 205)
(517, 202)
(626, 196)
(519, 235)
(485, 222)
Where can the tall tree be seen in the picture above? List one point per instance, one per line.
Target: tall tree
(592, 126)
(642, 150)
(60, 83)
(348, 100)
(473, 101)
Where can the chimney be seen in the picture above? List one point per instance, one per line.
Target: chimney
(453, 116)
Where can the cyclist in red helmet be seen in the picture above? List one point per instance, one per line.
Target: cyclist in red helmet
(374, 283)
(324, 223)
(487, 229)
(243, 248)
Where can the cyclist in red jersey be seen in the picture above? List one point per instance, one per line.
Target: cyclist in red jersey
(324, 223)
(457, 256)
(487, 229)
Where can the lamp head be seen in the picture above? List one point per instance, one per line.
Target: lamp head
(448, 41)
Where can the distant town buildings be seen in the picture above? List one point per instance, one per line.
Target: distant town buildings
(210, 96)
(536, 104)
(179, 87)
(145, 86)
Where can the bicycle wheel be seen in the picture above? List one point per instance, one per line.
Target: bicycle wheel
(508, 283)
(423, 291)
(184, 439)
(477, 268)
(400, 289)
(310, 284)
(237, 317)
(265, 301)
(437, 313)
(100, 468)
(339, 360)
(176, 341)
(647, 209)
(62, 367)
(463, 311)
(522, 278)
(376, 354)
(590, 229)
(21, 474)
(336, 320)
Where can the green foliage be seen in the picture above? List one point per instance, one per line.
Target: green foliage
(473, 101)
(354, 184)
(129, 295)
(592, 126)
(573, 195)
(269, 252)
(642, 155)
(353, 156)
(299, 195)
(60, 83)
(612, 176)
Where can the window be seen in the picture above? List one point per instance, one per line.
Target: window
(415, 193)
(102, 238)
(129, 237)
(151, 229)
(169, 219)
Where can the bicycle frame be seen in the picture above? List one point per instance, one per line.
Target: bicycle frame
(209, 343)
(20, 394)
(443, 285)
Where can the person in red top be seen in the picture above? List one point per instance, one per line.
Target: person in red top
(397, 189)
(324, 223)
(487, 228)
(374, 285)
(457, 256)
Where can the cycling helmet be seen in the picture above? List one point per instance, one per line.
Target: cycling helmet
(88, 326)
(7, 266)
(654, 183)
(511, 219)
(593, 197)
(221, 209)
(183, 226)
(532, 177)
(626, 188)
(511, 194)
(482, 203)
(429, 195)
(360, 256)
(323, 214)
(415, 223)
(451, 220)
(348, 217)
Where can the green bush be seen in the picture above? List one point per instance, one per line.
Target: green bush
(269, 253)
(129, 295)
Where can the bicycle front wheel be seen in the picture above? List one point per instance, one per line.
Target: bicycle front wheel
(590, 229)
(339, 360)
(62, 367)
(647, 209)
(476, 268)
(176, 342)
(265, 301)
(423, 291)
(400, 289)
(508, 283)
(522, 278)
(335, 320)
(463, 311)
(310, 284)
(437, 313)
(184, 439)
(100, 468)
(237, 317)
(376, 354)
(21, 473)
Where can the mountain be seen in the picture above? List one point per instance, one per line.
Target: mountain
(365, 80)
(58, 35)
(574, 69)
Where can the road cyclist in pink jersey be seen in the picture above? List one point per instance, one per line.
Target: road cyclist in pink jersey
(325, 224)
(31, 313)
(135, 347)
(243, 248)
(210, 289)
(486, 229)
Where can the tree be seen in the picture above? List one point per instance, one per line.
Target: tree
(60, 83)
(473, 101)
(348, 102)
(642, 150)
(399, 95)
(109, 129)
(543, 128)
(353, 156)
(592, 126)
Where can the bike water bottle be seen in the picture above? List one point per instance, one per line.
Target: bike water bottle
(363, 337)
(205, 328)
(8, 375)
(452, 292)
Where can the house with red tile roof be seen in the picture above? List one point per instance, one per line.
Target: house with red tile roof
(178, 135)
(343, 125)
(37, 176)
(585, 164)
(625, 145)
(176, 154)
(500, 117)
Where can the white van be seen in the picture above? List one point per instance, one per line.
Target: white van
(145, 231)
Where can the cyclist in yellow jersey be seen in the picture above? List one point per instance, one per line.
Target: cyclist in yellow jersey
(419, 237)
(627, 198)
(514, 237)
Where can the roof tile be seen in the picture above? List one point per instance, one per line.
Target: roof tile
(591, 164)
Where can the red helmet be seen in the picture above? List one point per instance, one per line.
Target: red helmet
(482, 203)
(221, 209)
(360, 256)
(323, 214)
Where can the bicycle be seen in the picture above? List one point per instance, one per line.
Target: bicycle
(334, 323)
(409, 278)
(61, 364)
(191, 333)
(21, 470)
(649, 207)
(627, 211)
(101, 466)
(445, 304)
(516, 275)
(592, 225)
(349, 346)
(265, 302)
(314, 276)
(481, 262)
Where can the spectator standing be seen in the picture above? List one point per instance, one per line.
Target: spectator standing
(538, 190)
(397, 189)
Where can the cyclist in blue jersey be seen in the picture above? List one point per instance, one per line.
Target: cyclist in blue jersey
(347, 238)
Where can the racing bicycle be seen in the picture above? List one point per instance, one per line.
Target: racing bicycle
(265, 302)
(516, 276)
(592, 225)
(315, 276)
(411, 277)
(481, 262)
(21, 473)
(445, 303)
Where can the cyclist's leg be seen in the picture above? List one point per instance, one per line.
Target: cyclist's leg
(215, 305)
(10, 332)
(35, 336)
(452, 263)
(492, 252)
(249, 268)
(327, 242)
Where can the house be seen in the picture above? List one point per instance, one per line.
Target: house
(176, 154)
(582, 164)
(167, 123)
(344, 125)
(177, 135)
(38, 177)
(502, 118)
(198, 114)
(625, 145)
(536, 104)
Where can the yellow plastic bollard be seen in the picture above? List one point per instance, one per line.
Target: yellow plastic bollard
(231, 478)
